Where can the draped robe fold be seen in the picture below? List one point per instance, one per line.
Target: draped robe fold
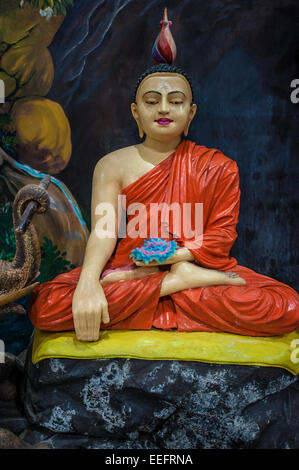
(193, 174)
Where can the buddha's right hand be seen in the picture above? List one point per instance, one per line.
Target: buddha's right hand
(90, 308)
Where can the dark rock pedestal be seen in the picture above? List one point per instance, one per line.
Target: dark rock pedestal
(12, 414)
(132, 403)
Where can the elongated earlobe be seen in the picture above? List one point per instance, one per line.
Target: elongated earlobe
(140, 131)
(135, 116)
(194, 109)
(186, 130)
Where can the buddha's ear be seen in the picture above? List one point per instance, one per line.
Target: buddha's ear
(134, 111)
(136, 117)
(192, 112)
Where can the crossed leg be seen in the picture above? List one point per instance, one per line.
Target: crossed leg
(137, 273)
(265, 307)
(182, 275)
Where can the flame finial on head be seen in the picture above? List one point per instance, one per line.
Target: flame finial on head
(164, 49)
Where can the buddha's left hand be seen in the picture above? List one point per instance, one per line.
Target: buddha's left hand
(182, 254)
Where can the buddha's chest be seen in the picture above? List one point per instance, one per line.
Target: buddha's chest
(134, 172)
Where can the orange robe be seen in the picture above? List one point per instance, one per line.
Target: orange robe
(264, 307)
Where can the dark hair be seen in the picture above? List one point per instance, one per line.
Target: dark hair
(166, 68)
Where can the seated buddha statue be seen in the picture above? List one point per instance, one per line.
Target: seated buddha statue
(200, 287)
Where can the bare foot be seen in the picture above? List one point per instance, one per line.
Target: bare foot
(192, 275)
(131, 274)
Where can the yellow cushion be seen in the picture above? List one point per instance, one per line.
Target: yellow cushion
(219, 348)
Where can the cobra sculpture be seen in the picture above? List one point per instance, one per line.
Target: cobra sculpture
(16, 276)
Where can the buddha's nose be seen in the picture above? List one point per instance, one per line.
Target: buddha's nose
(164, 108)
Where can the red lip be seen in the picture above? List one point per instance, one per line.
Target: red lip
(163, 121)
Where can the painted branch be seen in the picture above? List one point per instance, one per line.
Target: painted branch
(15, 295)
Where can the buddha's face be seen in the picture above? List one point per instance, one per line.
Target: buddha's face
(163, 108)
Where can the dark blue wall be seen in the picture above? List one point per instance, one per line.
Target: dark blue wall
(242, 57)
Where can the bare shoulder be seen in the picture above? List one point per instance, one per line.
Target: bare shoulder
(116, 160)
